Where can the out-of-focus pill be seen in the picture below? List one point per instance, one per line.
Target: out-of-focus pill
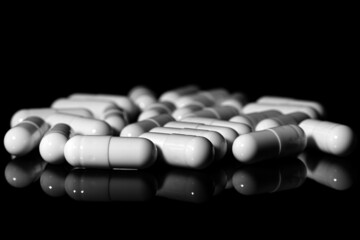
(292, 118)
(81, 125)
(269, 178)
(43, 113)
(52, 180)
(331, 171)
(116, 118)
(329, 137)
(217, 140)
(270, 143)
(110, 152)
(284, 109)
(105, 186)
(180, 113)
(240, 128)
(235, 100)
(142, 96)
(291, 101)
(138, 128)
(174, 94)
(252, 119)
(52, 144)
(201, 100)
(157, 109)
(228, 133)
(218, 112)
(182, 150)
(22, 171)
(25, 136)
(122, 102)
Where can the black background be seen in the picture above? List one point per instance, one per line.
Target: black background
(303, 58)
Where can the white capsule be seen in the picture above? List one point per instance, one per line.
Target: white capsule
(116, 118)
(235, 100)
(52, 144)
(270, 143)
(109, 152)
(43, 113)
(138, 128)
(202, 100)
(253, 119)
(217, 140)
(284, 109)
(217, 112)
(81, 125)
(25, 136)
(122, 102)
(329, 137)
(228, 133)
(182, 150)
(179, 113)
(157, 109)
(291, 101)
(292, 118)
(142, 96)
(176, 93)
(240, 128)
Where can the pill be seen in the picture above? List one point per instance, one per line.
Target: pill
(25, 136)
(182, 150)
(180, 113)
(292, 118)
(291, 101)
(23, 171)
(218, 112)
(269, 178)
(328, 170)
(228, 133)
(52, 144)
(252, 119)
(174, 94)
(122, 102)
(104, 186)
(142, 96)
(284, 109)
(235, 100)
(216, 139)
(270, 143)
(157, 109)
(329, 137)
(116, 118)
(186, 185)
(43, 113)
(81, 125)
(109, 152)
(138, 128)
(202, 100)
(240, 128)
(52, 180)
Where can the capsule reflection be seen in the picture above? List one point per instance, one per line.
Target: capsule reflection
(20, 172)
(272, 177)
(110, 185)
(334, 172)
(52, 180)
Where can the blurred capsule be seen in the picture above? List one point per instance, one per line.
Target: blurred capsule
(52, 180)
(142, 96)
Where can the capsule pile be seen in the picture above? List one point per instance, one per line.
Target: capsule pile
(184, 127)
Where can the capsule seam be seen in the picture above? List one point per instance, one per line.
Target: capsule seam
(277, 137)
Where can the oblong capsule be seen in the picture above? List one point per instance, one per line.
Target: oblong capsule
(240, 128)
(201, 100)
(182, 150)
(292, 101)
(217, 112)
(179, 113)
(252, 119)
(110, 152)
(156, 109)
(142, 96)
(43, 113)
(284, 109)
(116, 118)
(174, 94)
(329, 137)
(81, 125)
(216, 139)
(270, 143)
(52, 144)
(292, 118)
(25, 136)
(138, 128)
(235, 100)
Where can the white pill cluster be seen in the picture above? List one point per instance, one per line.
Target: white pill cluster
(185, 127)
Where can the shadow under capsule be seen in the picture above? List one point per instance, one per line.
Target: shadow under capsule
(20, 172)
(269, 177)
(338, 173)
(110, 185)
